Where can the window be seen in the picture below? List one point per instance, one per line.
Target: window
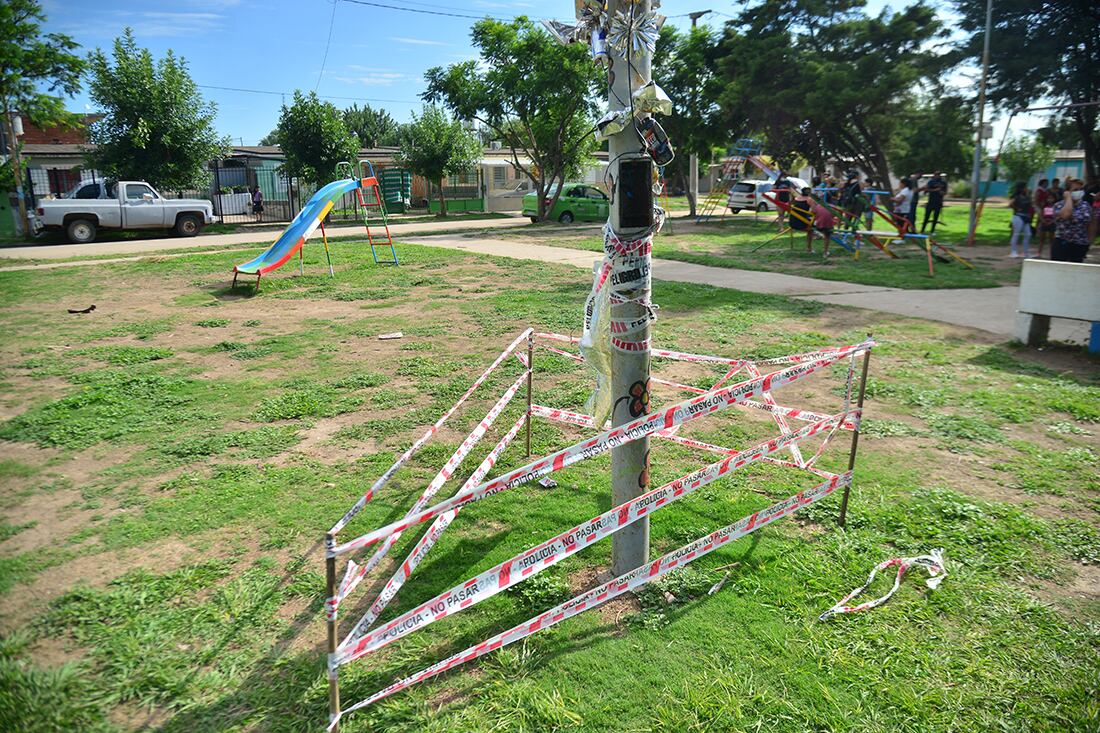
(500, 176)
(595, 193)
(742, 188)
(137, 191)
(90, 191)
(578, 192)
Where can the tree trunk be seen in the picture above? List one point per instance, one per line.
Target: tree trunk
(687, 191)
(17, 169)
(442, 201)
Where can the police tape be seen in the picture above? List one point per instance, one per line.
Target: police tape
(616, 587)
(402, 574)
(781, 422)
(354, 573)
(932, 562)
(548, 553)
(575, 418)
(682, 412)
(416, 446)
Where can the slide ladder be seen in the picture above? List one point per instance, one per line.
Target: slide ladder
(370, 202)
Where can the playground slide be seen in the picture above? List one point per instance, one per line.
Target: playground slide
(291, 240)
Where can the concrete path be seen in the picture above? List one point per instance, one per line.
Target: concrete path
(987, 309)
(258, 237)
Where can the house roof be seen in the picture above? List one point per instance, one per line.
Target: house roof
(45, 150)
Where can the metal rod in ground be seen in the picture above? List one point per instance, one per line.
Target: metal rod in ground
(530, 372)
(630, 70)
(855, 435)
(328, 257)
(333, 676)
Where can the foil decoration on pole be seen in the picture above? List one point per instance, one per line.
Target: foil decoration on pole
(652, 99)
(639, 32)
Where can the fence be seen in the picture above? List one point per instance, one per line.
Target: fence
(229, 184)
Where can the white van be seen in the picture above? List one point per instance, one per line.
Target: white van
(746, 194)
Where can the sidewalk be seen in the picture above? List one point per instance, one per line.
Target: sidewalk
(257, 238)
(987, 309)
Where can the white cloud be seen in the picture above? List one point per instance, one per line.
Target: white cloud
(374, 77)
(417, 41)
(147, 24)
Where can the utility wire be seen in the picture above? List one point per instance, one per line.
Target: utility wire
(427, 12)
(328, 44)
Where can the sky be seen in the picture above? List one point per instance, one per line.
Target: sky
(376, 55)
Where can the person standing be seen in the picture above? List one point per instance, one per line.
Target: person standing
(824, 221)
(1056, 190)
(1043, 201)
(1072, 219)
(782, 190)
(937, 190)
(802, 216)
(869, 221)
(257, 203)
(903, 205)
(1022, 211)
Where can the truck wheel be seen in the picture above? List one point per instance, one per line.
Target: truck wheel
(534, 220)
(762, 207)
(188, 225)
(735, 210)
(81, 231)
(566, 217)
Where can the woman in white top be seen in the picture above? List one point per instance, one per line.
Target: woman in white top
(903, 205)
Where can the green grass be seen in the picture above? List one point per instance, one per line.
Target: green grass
(736, 242)
(208, 479)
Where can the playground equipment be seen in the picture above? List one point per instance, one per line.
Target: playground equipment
(312, 216)
(803, 437)
(744, 150)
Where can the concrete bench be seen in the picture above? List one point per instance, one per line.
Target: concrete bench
(1058, 290)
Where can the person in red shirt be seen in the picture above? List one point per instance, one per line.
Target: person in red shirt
(824, 221)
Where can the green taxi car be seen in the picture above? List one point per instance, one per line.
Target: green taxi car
(578, 202)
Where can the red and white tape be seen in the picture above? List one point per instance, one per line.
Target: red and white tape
(618, 586)
(932, 562)
(355, 573)
(534, 560)
(416, 446)
(393, 585)
(676, 414)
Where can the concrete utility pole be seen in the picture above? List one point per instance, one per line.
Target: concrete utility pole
(629, 369)
(693, 161)
(977, 170)
(16, 162)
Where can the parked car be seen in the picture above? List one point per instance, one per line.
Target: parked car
(125, 205)
(578, 202)
(746, 194)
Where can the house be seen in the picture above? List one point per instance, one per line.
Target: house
(54, 156)
(1067, 164)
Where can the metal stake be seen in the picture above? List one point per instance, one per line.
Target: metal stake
(855, 436)
(333, 677)
(530, 370)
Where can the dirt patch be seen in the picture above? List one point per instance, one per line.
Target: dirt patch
(130, 716)
(94, 570)
(615, 611)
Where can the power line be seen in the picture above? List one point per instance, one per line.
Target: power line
(429, 12)
(328, 44)
(322, 96)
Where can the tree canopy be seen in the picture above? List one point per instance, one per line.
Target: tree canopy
(820, 79)
(156, 126)
(538, 97)
(314, 138)
(31, 61)
(935, 137)
(374, 127)
(687, 64)
(1042, 51)
(1024, 156)
(435, 146)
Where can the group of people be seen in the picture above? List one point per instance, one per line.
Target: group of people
(1066, 217)
(811, 213)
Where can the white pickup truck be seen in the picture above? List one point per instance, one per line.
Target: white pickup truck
(123, 205)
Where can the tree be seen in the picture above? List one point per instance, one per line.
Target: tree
(434, 146)
(31, 61)
(935, 137)
(687, 64)
(314, 139)
(373, 126)
(1025, 155)
(536, 96)
(155, 126)
(820, 79)
(271, 138)
(1047, 51)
